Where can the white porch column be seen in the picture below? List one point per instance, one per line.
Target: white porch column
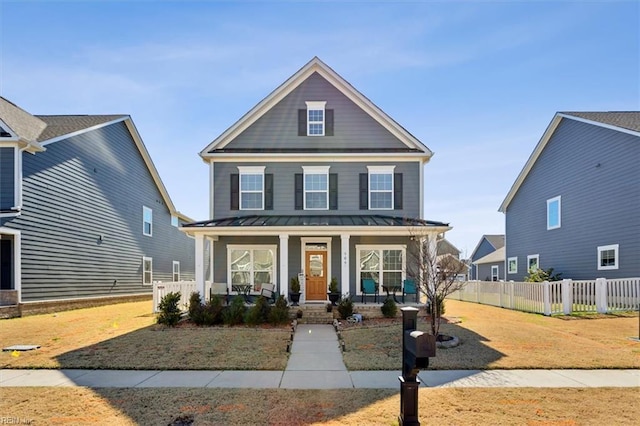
(200, 265)
(284, 264)
(344, 254)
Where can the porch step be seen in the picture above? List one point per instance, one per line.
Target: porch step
(313, 314)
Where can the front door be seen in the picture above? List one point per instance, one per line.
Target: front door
(316, 275)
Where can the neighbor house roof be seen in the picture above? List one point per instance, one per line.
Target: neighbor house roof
(621, 121)
(317, 66)
(20, 122)
(493, 257)
(496, 240)
(66, 125)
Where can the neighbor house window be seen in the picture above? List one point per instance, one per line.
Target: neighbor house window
(175, 276)
(533, 262)
(495, 272)
(174, 221)
(147, 270)
(381, 187)
(554, 213)
(251, 188)
(383, 264)
(512, 265)
(251, 265)
(315, 118)
(147, 221)
(316, 187)
(608, 257)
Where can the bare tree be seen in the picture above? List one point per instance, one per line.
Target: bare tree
(435, 276)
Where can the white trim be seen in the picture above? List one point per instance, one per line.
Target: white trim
(531, 257)
(316, 106)
(251, 247)
(315, 170)
(250, 171)
(380, 170)
(211, 190)
(495, 268)
(344, 261)
(284, 264)
(293, 157)
(509, 271)
(549, 202)
(144, 210)
(17, 259)
(173, 270)
(380, 248)
(616, 252)
(144, 259)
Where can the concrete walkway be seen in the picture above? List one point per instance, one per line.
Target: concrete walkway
(316, 363)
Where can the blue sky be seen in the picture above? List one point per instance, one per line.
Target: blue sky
(477, 82)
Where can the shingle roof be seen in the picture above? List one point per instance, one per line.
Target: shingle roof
(59, 125)
(20, 121)
(496, 241)
(314, 220)
(625, 119)
(493, 257)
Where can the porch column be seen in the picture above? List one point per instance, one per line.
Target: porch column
(344, 278)
(284, 264)
(200, 265)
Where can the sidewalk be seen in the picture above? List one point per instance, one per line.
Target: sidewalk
(316, 363)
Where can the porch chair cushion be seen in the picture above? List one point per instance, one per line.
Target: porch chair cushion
(409, 287)
(219, 289)
(368, 286)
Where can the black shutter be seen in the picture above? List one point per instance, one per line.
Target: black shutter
(333, 191)
(268, 191)
(302, 122)
(364, 191)
(299, 191)
(235, 191)
(397, 191)
(328, 122)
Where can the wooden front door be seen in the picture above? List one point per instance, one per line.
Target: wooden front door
(316, 275)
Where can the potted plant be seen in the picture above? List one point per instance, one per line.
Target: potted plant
(334, 294)
(294, 291)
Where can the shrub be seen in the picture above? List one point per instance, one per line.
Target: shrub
(234, 313)
(258, 313)
(212, 311)
(280, 311)
(540, 275)
(196, 308)
(345, 307)
(169, 311)
(389, 308)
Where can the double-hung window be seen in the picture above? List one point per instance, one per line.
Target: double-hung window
(554, 213)
(251, 265)
(147, 270)
(383, 264)
(147, 221)
(381, 187)
(316, 187)
(251, 188)
(608, 257)
(533, 262)
(512, 265)
(315, 118)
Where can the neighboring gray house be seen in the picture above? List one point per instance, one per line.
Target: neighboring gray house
(575, 206)
(317, 180)
(487, 245)
(491, 267)
(445, 248)
(83, 212)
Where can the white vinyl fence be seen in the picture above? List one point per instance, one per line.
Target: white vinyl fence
(185, 288)
(557, 297)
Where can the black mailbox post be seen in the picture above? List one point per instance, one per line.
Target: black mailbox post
(417, 347)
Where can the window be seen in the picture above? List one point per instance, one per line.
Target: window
(147, 270)
(316, 187)
(147, 221)
(251, 188)
(533, 262)
(251, 265)
(512, 265)
(174, 221)
(385, 265)
(315, 118)
(175, 276)
(381, 187)
(553, 213)
(495, 272)
(608, 257)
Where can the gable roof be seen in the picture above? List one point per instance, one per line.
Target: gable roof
(445, 247)
(20, 126)
(493, 257)
(621, 121)
(67, 125)
(316, 66)
(496, 241)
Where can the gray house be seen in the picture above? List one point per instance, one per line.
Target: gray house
(487, 245)
(575, 205)
(491, 267)
(314, 180)
(83, 212)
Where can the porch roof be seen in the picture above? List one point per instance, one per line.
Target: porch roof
(314, 220)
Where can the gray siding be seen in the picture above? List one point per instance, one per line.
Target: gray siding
(483, 249)
(353, 128)
(7, 168)
(79, 189)
(484, 271)
(348, 189)
(595, 171)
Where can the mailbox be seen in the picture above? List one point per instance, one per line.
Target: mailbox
(420, 346)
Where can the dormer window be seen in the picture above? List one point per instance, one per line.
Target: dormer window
(315, 118)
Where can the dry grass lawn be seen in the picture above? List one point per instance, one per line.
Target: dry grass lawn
(524, 406)
(125, 336)
(495, 338)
